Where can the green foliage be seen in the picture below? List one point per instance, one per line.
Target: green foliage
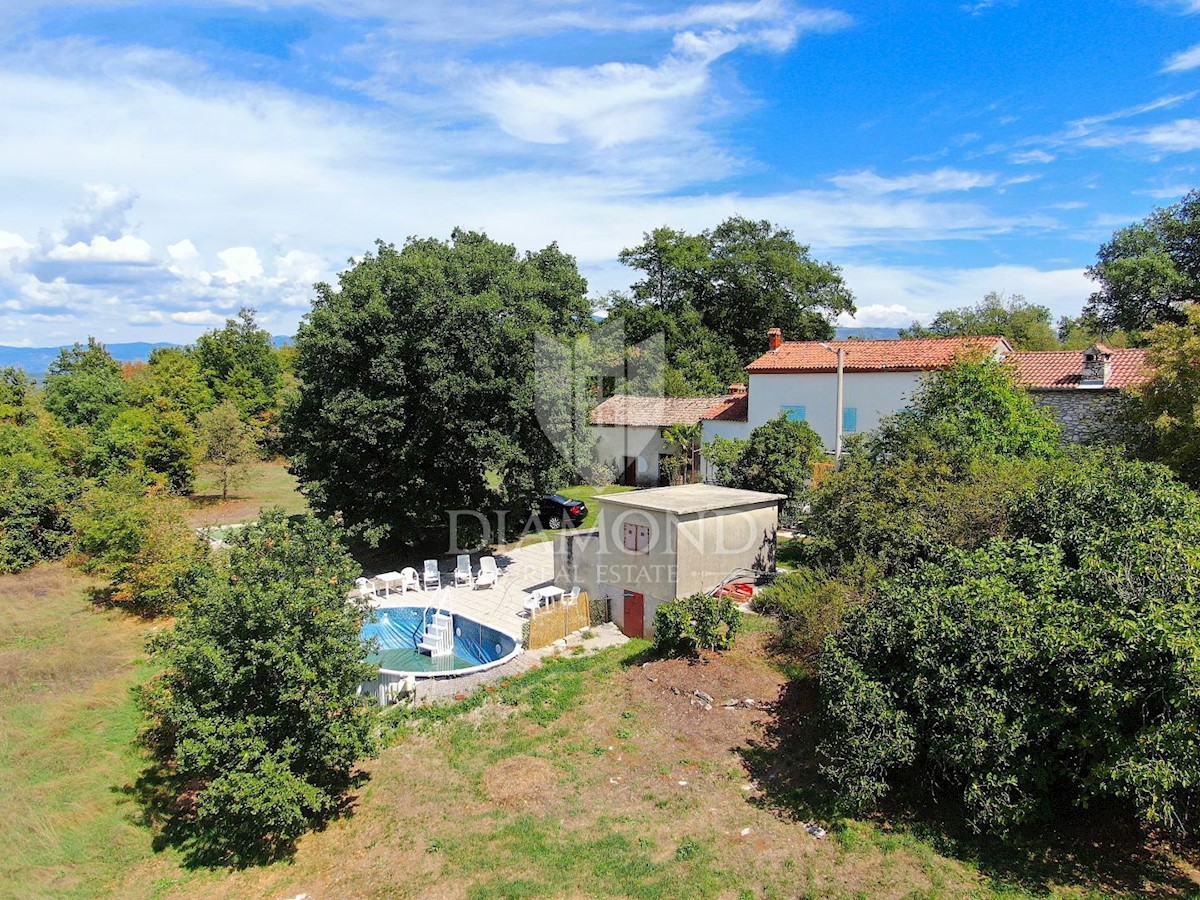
(227, 443)
(257, 699)
(809, 606)
(1022, 675)
(147, 440)
(1148, 270)
(240, 365)
(39, 479)
(684, 440)
(1080, 333)
(418, 382)
(699, 622)
(715, 295)
(1026, 325)
(722, 454)
(84, 386)
(973, 408)
(139, 537)
(1162, 416)
(778, 458)
(173, 378)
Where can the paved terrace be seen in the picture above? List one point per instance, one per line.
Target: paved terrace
(501, 606)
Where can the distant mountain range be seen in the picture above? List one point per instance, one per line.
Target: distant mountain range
(36, 360)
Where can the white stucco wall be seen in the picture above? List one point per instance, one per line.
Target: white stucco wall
(615, 442)
(873, 394)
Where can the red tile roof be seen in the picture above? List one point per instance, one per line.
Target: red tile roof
(909, 355)
(1062, 368)
(628, 409)
(734, 408)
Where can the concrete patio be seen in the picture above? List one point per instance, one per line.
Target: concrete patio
(501, 606)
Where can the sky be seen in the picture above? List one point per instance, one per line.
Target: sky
(163, 165)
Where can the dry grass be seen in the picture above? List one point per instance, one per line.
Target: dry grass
(67, 723)
(267, 484)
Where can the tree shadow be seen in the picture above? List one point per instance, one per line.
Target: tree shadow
(167, 806)
(1101, 849)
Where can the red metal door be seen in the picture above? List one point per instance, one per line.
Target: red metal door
(634, 615)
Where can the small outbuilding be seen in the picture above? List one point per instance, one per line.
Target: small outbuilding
(654, 545)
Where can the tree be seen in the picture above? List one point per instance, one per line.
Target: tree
(722, 454)
(138, 536)
(1081, 332)
(685, 439)
(1056, 665)
(715, 295)
(239, 364)
(1162, 416)
(172, 375)
(1026, 325)
(228, 444)
(84, 386)
(778, 458)
(256, 708)
(1148, 270)
(418, 389)
(148, 440)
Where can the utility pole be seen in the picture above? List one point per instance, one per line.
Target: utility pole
(837, 425)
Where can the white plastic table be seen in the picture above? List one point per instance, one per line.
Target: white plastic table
(543, 596)
(387, 580)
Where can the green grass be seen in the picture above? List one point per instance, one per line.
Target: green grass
(586, 493)
(67, 729)
(266, 484)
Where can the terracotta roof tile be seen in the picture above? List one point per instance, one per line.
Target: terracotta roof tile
(908, 355)
(1062, 368)
(735, 408)
(629, 409)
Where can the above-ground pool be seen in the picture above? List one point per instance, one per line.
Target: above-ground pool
(398, 629)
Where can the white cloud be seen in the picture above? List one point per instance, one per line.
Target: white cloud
(1025, 157)
(125, 249)
(241, 264)
(924, 291)
(879, 315)
(204, 317)
(942, 180)
(1184, 60)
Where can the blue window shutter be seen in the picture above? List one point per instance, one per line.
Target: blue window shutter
(849, 419)
(794, 413)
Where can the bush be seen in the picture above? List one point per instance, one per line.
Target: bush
(1019, 682)
(257, 701)
(698, 622)
(778, 458)
(809, 606)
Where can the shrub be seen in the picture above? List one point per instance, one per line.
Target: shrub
(257, 701)
(809, 606)
(698, 622)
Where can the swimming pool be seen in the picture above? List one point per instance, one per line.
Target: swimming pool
(398, 629)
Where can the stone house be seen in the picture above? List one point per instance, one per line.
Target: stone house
(629, 433)
(1080, 388)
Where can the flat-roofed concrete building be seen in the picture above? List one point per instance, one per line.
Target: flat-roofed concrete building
(655, 545)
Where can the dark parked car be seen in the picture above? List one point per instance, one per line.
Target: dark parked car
(556, 511)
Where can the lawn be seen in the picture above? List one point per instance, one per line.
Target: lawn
(267, 483)
(598, 776)
(67, 726)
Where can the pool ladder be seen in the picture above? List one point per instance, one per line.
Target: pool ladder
(438, 639)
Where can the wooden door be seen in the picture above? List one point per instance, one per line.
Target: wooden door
(634, 616)
(629, 478)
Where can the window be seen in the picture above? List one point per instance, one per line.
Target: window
(793, 413)
(849, 419)
(637, 538)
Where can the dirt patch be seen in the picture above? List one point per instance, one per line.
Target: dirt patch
(521, 782)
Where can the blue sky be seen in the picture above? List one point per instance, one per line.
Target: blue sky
(163, 165)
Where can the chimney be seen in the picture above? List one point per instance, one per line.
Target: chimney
(1097, 366)
(774, 339)
(737, 389)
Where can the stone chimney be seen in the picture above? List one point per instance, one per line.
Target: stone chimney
(774, 339)
(737, 389)
(1097, 366)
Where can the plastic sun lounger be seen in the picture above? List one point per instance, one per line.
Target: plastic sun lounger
(487, 572)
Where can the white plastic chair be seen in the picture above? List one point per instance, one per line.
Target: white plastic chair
(409, 580)
(462, 571)
(571, 597)
(488, 573)
(431, 577)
